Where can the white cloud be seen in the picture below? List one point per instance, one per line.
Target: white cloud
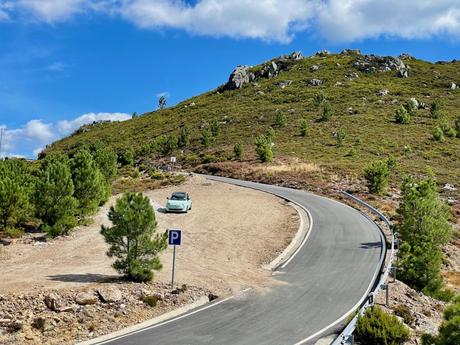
(269, 20)
(67, 126)
(34, 135)
(349, 20)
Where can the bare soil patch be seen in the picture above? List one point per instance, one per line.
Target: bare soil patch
(225, 242)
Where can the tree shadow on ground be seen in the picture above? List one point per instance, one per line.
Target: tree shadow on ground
(85, 278)
(371, 245)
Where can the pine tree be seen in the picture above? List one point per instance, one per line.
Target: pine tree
(133, 239)
(215, 128)
(376, 175)
(106, 160)
(13, 202)
(281, 119)
(304, 127)
(90, 185)
(424, 228)
(238, 150)
(54, 201)
(162, 102)
(206, 136)
(264, 148)
(184, 137)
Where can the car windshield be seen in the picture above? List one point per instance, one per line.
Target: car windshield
(178, 196)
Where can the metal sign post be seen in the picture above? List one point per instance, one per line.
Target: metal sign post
(174, 239)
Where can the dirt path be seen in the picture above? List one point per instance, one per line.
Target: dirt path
(226, 238)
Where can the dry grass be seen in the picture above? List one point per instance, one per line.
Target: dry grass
(452, 279)
(299, 168)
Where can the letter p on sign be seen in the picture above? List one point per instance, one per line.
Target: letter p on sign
(174, 237)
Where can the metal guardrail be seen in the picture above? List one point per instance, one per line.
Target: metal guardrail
(346, 337)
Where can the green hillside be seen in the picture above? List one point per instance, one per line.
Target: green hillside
(354, 85)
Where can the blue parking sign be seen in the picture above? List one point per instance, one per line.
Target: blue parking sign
(174, 237)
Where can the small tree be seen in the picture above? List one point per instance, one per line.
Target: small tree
(127, 157)
(376, 175)
(54, 201)
(13, 202)
(378, 328)
(215, 128)
(320, 97)
(238, 150)
(438, 134)
(423, 224)
(167, 143)
(184, 137)
(106, 160)
(304, 127)
(457, 126)
(281, 119)
(447, 129)
(340, 136)
(264, 148)
(435, 109)
(133, 239)
(270, 134)
(89, 183)
(162, 102)
(411, 107)
(326, 111)
(402, 116)
(206, 136)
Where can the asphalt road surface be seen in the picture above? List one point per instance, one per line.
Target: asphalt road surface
(326, 279)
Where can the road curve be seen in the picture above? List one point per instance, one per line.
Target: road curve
(325, 280)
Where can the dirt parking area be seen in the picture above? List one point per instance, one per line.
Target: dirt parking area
(229, 234)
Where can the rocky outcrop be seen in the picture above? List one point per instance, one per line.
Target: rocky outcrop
(372, 63)
(350, 52)
(322, 53)
(243, 75)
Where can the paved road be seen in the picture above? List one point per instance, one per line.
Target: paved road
(325, 280)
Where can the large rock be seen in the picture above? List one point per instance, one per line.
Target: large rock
(453, 86)
(372, 63)
(383, 92)
(351, 52)
(269, 70)
(240, 76)
(85, 298)
(109, 294)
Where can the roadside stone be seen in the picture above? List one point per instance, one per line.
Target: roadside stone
(109, 294)
(85, 298)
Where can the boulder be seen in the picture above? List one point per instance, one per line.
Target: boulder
(415, 102)
(269, 70)
(53, 302)
(109, 294)
(239, 77)
(322, 53)
(453, 86)
(403, 73)
(405, 56)
(283, 84)
(85, 298)
(314, 68)
(352, 75)
(351, 52)
(315, 82)
(383, 92)
(295, 56)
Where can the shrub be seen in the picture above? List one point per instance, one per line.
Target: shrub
(403, 311)
(127, 158)
(378, 328)
(150, 300)
(438, 134)
(264, 148)
(435, 109)
(326, 111)
(457, 126)
(377, 174)
(238, 150)
(320, 97)
(449, 332)
(133, 239)
(402, 116)
(447, 129)
(411, 107)
(13, 202)
(215, 128)
(281, 119)
(270, 134)
(167, 144)
(184, 137)
(340, 136)
(304, 127)
(206, 136)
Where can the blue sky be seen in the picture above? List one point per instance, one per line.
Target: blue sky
(64, 63)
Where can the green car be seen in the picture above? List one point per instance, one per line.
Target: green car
(179, 202)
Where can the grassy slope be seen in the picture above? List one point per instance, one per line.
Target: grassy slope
(370, 134)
